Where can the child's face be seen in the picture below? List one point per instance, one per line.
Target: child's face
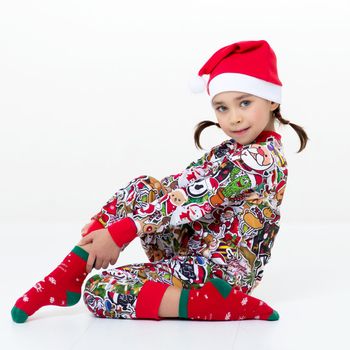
(251, 112)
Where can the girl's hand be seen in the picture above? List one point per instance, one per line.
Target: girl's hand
(103, 249)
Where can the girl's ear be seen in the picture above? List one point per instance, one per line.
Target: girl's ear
(274, 105)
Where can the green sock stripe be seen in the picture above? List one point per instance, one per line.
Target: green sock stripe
(222, 286)
(183, 311)
(72, 298)
(81, 252)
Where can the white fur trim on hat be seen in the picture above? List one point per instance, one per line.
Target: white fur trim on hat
(197, 83)
(245, 83)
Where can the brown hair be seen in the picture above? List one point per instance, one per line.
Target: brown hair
(276, 113)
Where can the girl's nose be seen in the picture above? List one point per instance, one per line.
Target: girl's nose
(235, 118)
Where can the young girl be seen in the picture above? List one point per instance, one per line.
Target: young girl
(208, 231)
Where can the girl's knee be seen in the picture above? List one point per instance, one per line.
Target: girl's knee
(92, 293)
(106, 298)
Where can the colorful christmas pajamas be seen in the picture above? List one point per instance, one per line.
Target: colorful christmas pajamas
(217, 218)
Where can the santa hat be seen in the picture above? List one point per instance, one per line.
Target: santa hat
(245, 66)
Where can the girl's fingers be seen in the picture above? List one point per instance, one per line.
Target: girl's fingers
(90, 262)
(115, 259)
(105, 264)
(87, 239)
(98, 263)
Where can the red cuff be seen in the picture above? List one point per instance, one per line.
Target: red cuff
(95, 225)
(123, 231)
(149, 299)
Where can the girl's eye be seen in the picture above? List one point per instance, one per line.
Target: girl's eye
(246, 101)
(218, 108)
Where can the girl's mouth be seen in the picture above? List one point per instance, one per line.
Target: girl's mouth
(240, 132)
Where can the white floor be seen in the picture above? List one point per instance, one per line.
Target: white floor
(305, 281)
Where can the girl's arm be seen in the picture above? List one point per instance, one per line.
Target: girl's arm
(199, 190)
(94, 224)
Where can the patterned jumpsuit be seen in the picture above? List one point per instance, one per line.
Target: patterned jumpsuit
(216, 219)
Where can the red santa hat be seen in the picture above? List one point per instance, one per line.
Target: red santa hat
(245, 66)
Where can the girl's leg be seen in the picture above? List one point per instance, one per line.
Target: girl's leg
(148, 291)
(226, 303)
(62, 287)
(138, 290)
(169, 306)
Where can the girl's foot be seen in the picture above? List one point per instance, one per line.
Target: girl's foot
(62, 287)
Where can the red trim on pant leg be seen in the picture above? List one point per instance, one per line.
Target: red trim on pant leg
(149, 299)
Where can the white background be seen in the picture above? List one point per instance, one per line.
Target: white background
(94, 93)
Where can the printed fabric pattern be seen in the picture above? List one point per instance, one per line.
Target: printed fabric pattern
(219, 217)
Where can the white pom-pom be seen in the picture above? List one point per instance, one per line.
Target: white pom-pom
(197, 84)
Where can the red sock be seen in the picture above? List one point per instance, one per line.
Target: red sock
(218, 300)
(62, 287)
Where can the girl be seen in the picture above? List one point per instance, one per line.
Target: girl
(207, 231)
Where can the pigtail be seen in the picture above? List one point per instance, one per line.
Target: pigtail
(199, 128)
(298, 129)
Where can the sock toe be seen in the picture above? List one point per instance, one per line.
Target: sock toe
(18, 315)
(274, 316)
